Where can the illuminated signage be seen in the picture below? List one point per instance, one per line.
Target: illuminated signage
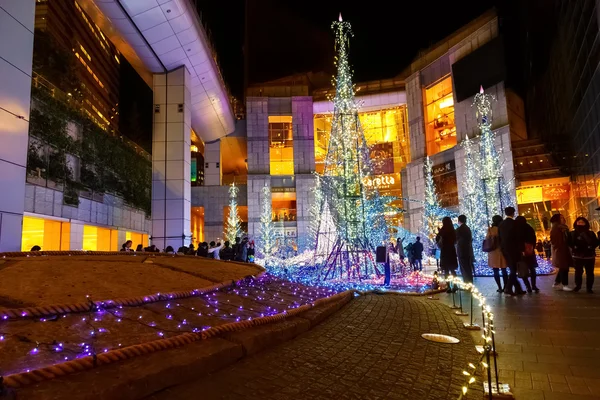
(389, 181)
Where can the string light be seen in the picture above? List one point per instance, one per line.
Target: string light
(268, 235)
(234, 227)
(350, 215)
(105, 328)
(432, 209)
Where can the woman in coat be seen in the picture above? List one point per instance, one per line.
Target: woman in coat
(496, 260)
(561, 254)
(446, 240)
(528, 252)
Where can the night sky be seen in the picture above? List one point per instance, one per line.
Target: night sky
(286, 37)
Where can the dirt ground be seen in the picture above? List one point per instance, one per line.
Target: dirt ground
(44, 280)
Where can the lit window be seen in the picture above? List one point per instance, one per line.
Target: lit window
(281, 145)
(440, 130)
(386, 133)
(283, 206)
(85, 52)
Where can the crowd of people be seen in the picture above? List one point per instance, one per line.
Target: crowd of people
(511, 245)
(242, 250)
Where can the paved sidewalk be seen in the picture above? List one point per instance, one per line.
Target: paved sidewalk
(548, 343)
(371, 349)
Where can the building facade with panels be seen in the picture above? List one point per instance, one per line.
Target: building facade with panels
(168, 46)
(421, 113)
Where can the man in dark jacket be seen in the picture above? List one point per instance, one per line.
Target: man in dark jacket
(464, 249)
(417, 251)
(511, 245)
(227, 253)
(583, 243)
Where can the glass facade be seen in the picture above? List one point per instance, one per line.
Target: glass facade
(48, 234)
(281, 145)
(386, 133)
(440, 130)
(562, 103)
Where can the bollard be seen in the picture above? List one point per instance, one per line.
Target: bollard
(471, 326)
(460, 313)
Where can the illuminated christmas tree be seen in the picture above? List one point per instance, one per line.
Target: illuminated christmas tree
(433, 212)
(487, 193)
(234, 227)
(471, 204)
(496, 191)
(268, 234)
(352, 216)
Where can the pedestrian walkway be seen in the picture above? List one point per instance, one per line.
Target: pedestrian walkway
(371, 349)
(548, 343)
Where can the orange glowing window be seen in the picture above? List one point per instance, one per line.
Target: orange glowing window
(440, 129)
(281, 145)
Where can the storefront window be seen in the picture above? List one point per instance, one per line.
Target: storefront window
(444, 179)
(386, 133)
(540, 201)
(48, 234)
(137, 238)
(440, 130)
(281, 145)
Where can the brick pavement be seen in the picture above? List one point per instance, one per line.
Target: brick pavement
(548, 343)
(371, 349)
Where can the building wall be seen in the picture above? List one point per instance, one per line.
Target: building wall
(214, 199)
(112, 211)
(255, 185)
(16, 50)
(465, 120)
(257, 131)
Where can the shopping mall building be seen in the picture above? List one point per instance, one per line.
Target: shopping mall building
(201, 144)
(417, 114)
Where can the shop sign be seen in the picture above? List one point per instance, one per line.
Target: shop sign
(559, 192)
(530, 195)
(444, 168)
(389, 181)
(282, 189)
(586, 189)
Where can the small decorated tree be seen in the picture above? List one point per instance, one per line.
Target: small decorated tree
(268, 234)
(234, 227)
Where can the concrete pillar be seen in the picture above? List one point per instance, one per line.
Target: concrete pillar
(304, 165)
(122, 238)
(257, 131)
(416, 121)
(212, 164)
(171, 158)
(256, 183)
(16, 50)
(76, 236)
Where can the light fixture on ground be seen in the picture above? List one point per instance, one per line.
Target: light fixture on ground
(438, 338)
